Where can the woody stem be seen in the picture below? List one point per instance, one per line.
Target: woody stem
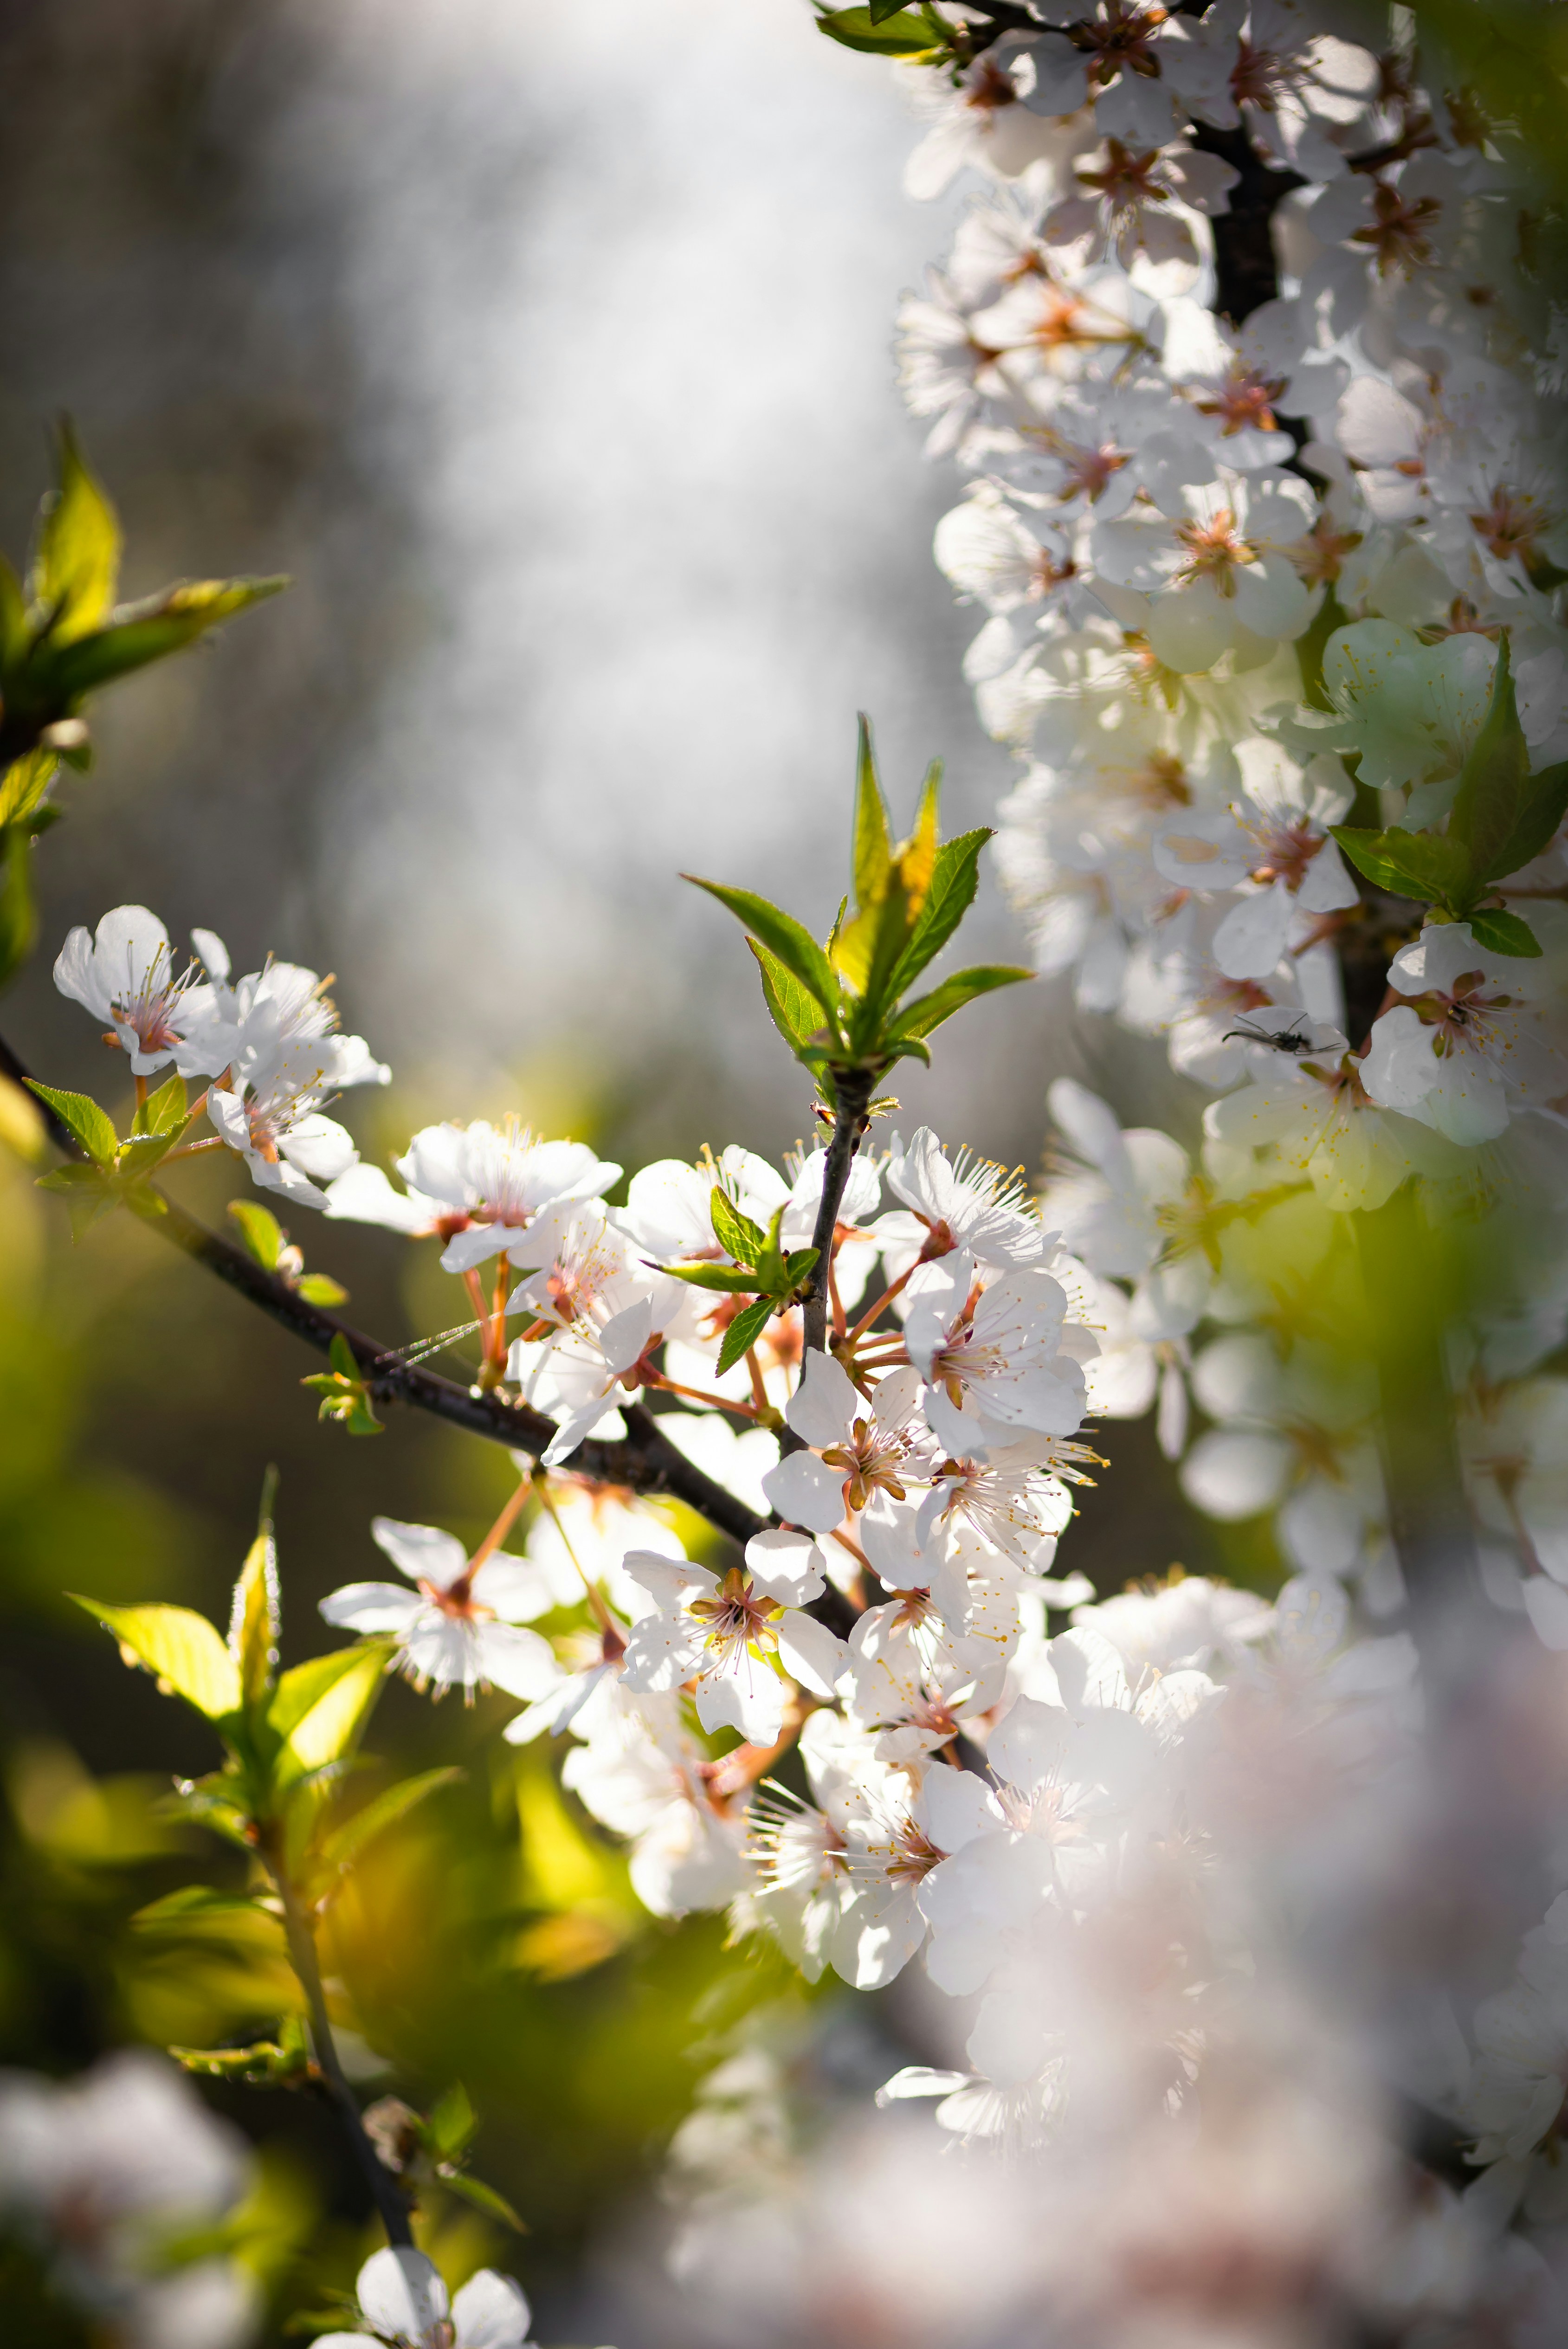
(384, 2188)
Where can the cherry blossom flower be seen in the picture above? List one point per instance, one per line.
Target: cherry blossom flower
(1274, 845)
(461, 1624)
(963, 1203)
(1214, 564)
(598, 1311)
(497, 1178)
(402, 2300)
(723, 1632)
(859, 1448)
(995, 1360)
(1464, 1046)
(270, 1112)
(123, 973)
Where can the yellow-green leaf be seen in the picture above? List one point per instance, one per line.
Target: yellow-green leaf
(327, 1732)
(253, 1624)
(874, 842)
(180, 1648)
(78, 549)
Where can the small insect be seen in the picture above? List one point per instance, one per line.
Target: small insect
(1290, 1039)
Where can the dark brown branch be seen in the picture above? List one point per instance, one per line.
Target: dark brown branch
(646, 1461)
(1246, 270)
(851, 1093)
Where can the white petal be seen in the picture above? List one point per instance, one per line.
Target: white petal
(806, 1492)
(826, 1403)
(786, 1566)
(813, 1655)
(371, 1607)
(423, 1553)
(400, 2292)
(491, 2311)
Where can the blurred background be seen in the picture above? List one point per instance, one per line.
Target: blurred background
(549, 350)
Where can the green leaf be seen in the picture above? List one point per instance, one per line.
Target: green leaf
(14, 633)
(163, 1111)
(452, 2123)
(1491, 785)
(1409, 863)
(320, 1288)
(954, 878)
(329, 1731)
(735, 1233)
(24, 783)
(260, 1231)
(771, 1270)
(269, 2063)
(715, 1276)
(872, 840)
(78, 550)
(142, 633)
(344, 1845)
(928, 1011)
(798, 1263)
(18, 913)
(137, 1158)
(253, 1622)
(81, 1117)
(344, 1393)
(783, 936)
(182, 1650)
(1543, 802)
(483, 2197)
(793, 1009)
(304, 1686)
(1503, 933)
(743, 1331)
(196, 1905)
(903, 34)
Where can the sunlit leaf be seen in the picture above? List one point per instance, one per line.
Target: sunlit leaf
(142, 633)
(181, 1648)
(743, 1331)
(783, 936)
(735, 1233)
(344, 1845)
(253, 1624)
(260, 1231)
(77, 560)
(81, 1116)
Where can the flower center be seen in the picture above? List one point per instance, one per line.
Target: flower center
(1214, 550)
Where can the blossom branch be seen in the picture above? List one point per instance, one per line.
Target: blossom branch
(644, 1461)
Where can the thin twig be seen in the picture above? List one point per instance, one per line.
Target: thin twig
(389, 2196)
(644, 1461)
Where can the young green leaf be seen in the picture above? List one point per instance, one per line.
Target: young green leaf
(793, 1009)
(24, 783)
(304, 1686)
(873, 839)
(770, 1259)
(927, 1012)
(260, 1231)
(18, 910)
(483, 2197)
(77, 560)
(194, 1906)
(1493, 777)
(163, 1111)
(1503, 933)
(83, 1119)
(452, 2123)
(182, 1650)
(784, 938)
(328, 1731)
(1542, 803)
(343, 1847)
(955, 875)
(140, 634)
(735, 1234)
(254, 1620)
(743, 1331)
(320, 1288)
(1422, 864)
(736, 1283)
(904, 34)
